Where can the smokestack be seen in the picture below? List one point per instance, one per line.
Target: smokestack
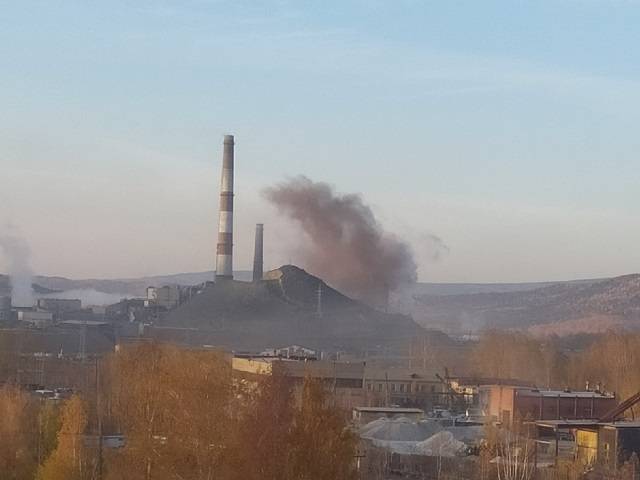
(258, 254)
(224, 255)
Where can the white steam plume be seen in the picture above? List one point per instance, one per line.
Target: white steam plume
(17, 253)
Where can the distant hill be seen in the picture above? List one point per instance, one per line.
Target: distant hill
(283, 310)
(5, 287)
(563, 308)
(130, 287)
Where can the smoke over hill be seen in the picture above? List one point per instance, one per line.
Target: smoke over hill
(346, 244)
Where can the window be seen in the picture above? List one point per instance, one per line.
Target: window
(402, 387)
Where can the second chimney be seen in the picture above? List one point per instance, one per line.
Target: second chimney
(258, 254)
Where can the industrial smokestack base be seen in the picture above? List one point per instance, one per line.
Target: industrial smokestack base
(258, 271)
(224, 253)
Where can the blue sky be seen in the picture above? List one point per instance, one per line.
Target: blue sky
(507, 128)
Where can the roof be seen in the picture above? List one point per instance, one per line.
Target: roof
(527, 392)
(401, 374)
(88, 323)
(588, 424)
(388, 410)
(563, 424)
(622, 424)
(324, 369)
(491, 382)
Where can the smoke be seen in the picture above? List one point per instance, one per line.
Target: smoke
(17, 253)
(346, 245)
(434, 246)
(88, 296)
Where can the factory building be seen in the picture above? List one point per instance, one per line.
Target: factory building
(59, 306)
(507, 403)
(406, 387)
(345, 380)
(608, 444)
(36, 318)
(167, 297)
(355, 384)
(5, 308)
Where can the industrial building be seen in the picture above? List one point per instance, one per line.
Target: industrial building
(508, 403)
(5, 308)
(344, 379)
(355, 384)
(606, 442)
(406, 387)
(609, 444)
(36, 318)
(166, 297)
(59, 306)
(364, 415)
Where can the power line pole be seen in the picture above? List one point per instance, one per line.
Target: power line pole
(319, 300)
(99, 418)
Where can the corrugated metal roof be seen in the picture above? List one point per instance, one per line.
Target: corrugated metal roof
(562, 394)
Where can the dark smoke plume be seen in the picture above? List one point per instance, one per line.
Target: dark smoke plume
(346, 244)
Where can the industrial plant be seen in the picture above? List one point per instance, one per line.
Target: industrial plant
(405, 389)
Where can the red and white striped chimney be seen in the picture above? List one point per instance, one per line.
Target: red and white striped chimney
(224, 255)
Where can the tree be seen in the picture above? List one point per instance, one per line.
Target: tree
(264, 431)
(322, 446)
(174, 407)
(69, 460)
(515, 355)
(18, 437)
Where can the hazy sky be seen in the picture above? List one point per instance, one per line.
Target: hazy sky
(507, 128)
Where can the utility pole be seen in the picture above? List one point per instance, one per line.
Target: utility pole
(99, 418)
(319, 300)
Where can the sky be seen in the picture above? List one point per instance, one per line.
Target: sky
(509, 129)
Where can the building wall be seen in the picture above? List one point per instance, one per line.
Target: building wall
(39, 319)
(59, 305)
(586, 446)
(498, 402)
(508, 403)
(616, 445)
(5, 308)
(607, 447)
(255, 367)
(417, 393)
(529, 407)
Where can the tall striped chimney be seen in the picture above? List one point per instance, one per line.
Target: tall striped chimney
(258, 254)
(224, 255)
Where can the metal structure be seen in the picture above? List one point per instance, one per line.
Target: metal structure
(618, 412)
(258, 255)
(224, 253)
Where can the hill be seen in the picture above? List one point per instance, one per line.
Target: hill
(5, 287)
(564, 308)
(283, 309)
(130, 287)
